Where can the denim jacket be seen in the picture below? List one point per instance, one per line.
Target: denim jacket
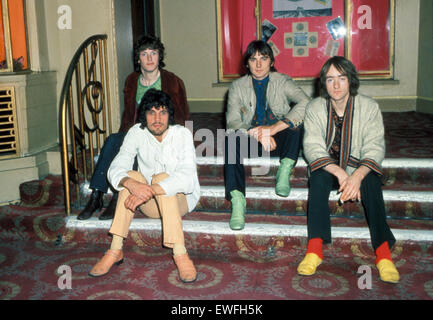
(281, 91)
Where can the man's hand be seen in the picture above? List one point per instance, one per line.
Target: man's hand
(261, 132)
(140, 193)
(338, 172)
(264, 131)
(350, 186)
(264, 134)
(347, 186)
(350, 189)
(268, 143)
(132, 202)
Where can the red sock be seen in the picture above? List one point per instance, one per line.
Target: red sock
(383, 252)
(315, 246)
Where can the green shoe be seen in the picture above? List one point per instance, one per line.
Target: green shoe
(282, 187)
(239, 204)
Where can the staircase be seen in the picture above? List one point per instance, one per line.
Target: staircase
(408, 195)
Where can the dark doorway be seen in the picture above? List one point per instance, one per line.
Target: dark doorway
(143, 18)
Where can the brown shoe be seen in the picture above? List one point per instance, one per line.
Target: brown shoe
(185, 266)
(104, 265)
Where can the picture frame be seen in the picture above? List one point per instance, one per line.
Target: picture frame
(302, 39)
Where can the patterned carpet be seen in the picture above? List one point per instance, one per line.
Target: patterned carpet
(238, 269)
(34, 243)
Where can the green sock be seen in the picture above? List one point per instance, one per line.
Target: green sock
(116, 243)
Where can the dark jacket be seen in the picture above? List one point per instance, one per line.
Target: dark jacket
(170, 84)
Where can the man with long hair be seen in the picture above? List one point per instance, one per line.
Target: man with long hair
(344, 146)
(149, 73)
(269, 108)
(165, 186)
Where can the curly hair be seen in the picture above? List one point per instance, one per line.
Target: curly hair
(148, 42)
(154, 98)
(346, 68)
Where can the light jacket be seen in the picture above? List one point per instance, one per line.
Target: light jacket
(175, 155)
(362, 135)
(281, 91)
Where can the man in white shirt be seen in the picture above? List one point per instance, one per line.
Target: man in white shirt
(165, 186)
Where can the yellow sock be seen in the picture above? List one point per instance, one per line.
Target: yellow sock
(116, 243)
(179, 249)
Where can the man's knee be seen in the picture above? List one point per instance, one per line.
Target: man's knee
(137, 176)
(115, 138)
(320, 178)
(113, 142)
(157, 178)
(371, 180)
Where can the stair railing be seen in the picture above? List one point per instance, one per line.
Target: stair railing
(85, 118)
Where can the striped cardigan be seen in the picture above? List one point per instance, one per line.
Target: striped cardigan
(362, 135)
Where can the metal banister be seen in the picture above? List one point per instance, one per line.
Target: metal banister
(85, 117)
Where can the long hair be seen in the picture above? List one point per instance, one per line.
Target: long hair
(148, 42)
(154, 98)
(346, 68)
(261, 47)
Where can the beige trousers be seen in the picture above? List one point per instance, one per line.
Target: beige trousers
(169, 209)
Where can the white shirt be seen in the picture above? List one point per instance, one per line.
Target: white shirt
(175, 155)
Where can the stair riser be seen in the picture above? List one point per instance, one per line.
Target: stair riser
(410, 179)
(50, 193)
(394, 209)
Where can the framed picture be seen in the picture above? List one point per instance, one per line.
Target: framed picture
(371, 43)
(303, 34)
(238, 23)
(13, 43)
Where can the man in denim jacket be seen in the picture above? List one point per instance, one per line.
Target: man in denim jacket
(266, 106)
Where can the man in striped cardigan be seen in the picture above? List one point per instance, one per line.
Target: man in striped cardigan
(344, 146)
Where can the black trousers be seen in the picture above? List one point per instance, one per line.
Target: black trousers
(318, 216)
(239, 146)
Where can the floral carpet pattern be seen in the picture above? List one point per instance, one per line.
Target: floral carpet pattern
(35, 246)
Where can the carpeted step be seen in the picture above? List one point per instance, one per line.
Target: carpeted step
(399, 174)
(407, 189)
(398, 204)
(52, 225)
(48, 192)
(356, 230)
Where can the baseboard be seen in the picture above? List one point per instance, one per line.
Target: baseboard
(386, 104)
(210, 106)
(396, 104)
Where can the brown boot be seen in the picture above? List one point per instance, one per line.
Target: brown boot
(104, 265)
(185, 266)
